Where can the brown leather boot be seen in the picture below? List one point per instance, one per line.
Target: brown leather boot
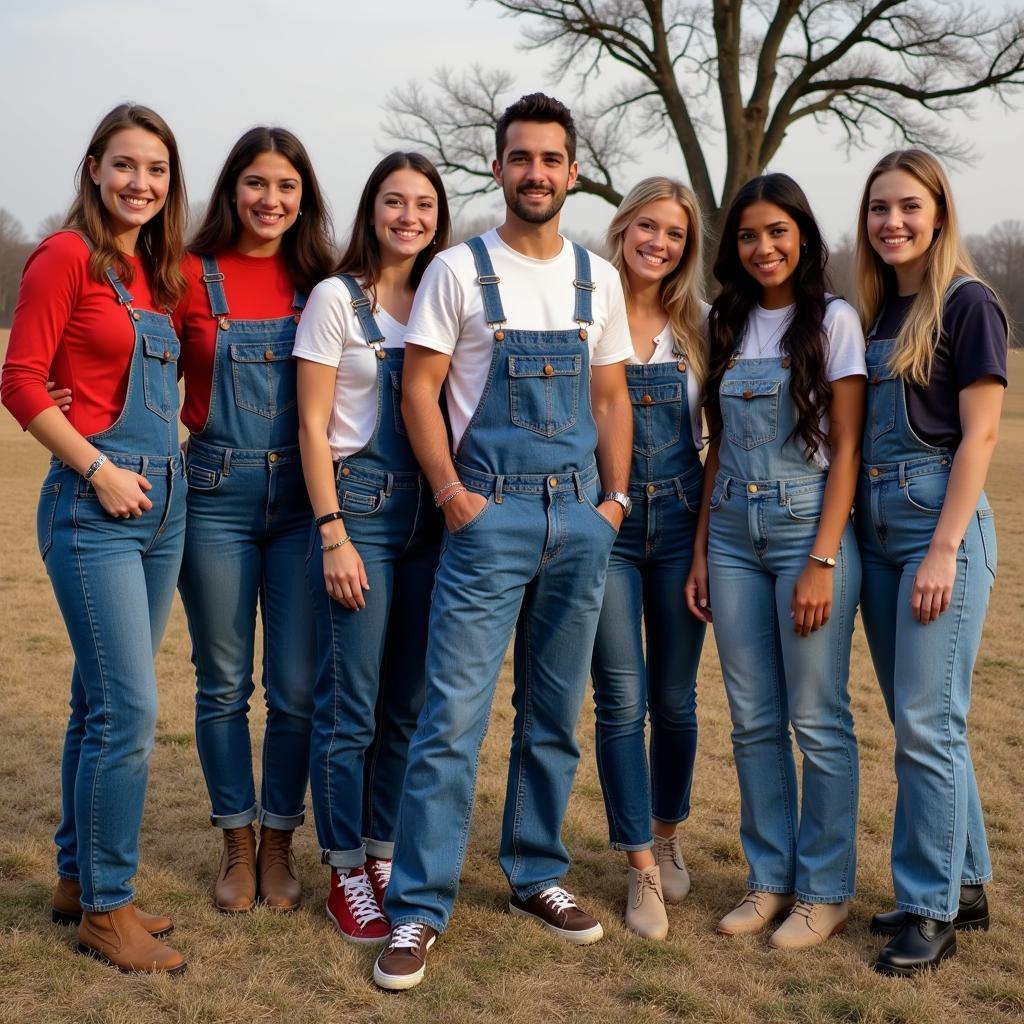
(115, 937)
(275, 866)
(235, 889)
(66, 908)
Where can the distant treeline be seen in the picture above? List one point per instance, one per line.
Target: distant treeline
(999, 255)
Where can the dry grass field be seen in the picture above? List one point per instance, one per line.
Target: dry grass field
(489, 967)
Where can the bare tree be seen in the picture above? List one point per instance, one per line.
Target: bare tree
(1000, 259)
(689, 72)
(14, 250)
(49, 224)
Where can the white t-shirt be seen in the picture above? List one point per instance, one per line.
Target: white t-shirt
(763, 337)
(664, 352)
(329, 333)
(538, 295)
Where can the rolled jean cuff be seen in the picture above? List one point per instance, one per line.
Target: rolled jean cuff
(432, 922)
(935, 915)
(671, 821)
(68, 877)
(760, 887)
(282, 822)
(810, 898)
(980, 880)
(631, 847)
(379, 849)
(105, 908)
(525, 894)
(239, 820)
(343, 858)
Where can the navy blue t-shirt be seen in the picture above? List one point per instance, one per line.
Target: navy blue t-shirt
(972, 344)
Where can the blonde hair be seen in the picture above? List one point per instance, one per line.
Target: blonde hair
(946, 259)
(681, 291)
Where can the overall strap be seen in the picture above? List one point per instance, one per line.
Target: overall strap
(583, 313)
(124, 297)
(955, 285)
(488, 281)
(363, 309)
(298, 301)
(214, 281)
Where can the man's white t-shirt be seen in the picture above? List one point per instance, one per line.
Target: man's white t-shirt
(329, 333)
(536, 295)
(845, 338)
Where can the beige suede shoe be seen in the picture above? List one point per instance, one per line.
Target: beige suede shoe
(645, 905)
(675, 879)
(810, 924)
(755, 912)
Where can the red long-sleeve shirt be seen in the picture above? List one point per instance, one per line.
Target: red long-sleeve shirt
(69, 328)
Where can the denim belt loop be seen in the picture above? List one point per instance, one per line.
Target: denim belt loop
(144, 466)
(225, 464)
(725, 486)
(903, 474)
(338, 466)
(677, 483)
(389, 480)
(499, 484)
(782, 492)
(577, 481)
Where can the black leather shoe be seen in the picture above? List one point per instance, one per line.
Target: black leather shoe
(921, 944)
(971, 916)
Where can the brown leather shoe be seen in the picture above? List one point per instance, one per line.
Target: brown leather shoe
(275, 866)
(235, 889)
(66, 908)
(115, 937)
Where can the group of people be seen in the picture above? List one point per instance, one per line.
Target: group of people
(404, 456)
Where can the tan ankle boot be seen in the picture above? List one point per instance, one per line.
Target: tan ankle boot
(645, 904)
(235, 889)
(755, 912)
(675, 879)
(115, 937)
(275, 865)
(66, 908)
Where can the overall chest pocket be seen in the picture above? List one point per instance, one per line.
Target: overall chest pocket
(396, 401)
(263, 375)
(544, 392)
(657, 417)
(750, 411)
(160, 374)
(880, 417)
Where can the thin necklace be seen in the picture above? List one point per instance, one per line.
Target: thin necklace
(776, 335)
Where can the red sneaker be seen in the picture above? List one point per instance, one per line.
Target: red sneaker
(352, 906)
(379, 870)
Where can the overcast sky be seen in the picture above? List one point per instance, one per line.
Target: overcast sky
(213, 68)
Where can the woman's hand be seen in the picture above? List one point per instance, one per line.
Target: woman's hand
(811, 606)
(462, 508)
(121, 492)
(61, 396)
(933, 585)
(698, 595)
(345, 576)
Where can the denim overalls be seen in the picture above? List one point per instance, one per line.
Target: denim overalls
(765, 508)
(248, 525)
(537, 553)
(646, 576)
(114, 582)
(369, 684)
(924, 671)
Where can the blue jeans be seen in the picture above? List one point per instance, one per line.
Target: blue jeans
(925, 675)
(114, 582)
(533, 560)
(644, 592)
(758, 546)
(248, 530)
(369, 687)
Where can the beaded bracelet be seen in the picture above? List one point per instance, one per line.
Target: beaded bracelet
(334, 547)
(329, 518)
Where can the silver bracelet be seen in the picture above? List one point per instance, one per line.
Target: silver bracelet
(91, 471)
(334, 547)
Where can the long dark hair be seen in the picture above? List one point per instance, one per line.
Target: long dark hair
(804, 341)
(161, 239)
(306, 247)
(361, 258)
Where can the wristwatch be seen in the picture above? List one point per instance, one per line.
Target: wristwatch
(623, 499)
(825, 560)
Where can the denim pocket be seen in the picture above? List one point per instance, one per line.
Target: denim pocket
(750, 411)
(476, 519)
(593, 508)
(160, 374)
(717, 494)
(202, 478)
(263, 375)
(45, 512)
(396, 401)
(927, 493)
(657, 417)
(360, 502)
(987, 525)
(805, 507)
(544, 392)
(880, 417)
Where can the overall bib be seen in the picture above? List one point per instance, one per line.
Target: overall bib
(248, 527)
(370, 674)
(765, 509)
(114, 582)
(924, 671)
(533, 560)
(644, 593)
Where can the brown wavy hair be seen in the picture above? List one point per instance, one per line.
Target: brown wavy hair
(307, 247)
(161, 240)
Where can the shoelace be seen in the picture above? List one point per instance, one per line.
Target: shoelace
(360, 899)
(558, 899)
(276, 851)
(804, 909)
(646, 882)
(668, 849)
(238, 850)
(382, 871)
(406, 936)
